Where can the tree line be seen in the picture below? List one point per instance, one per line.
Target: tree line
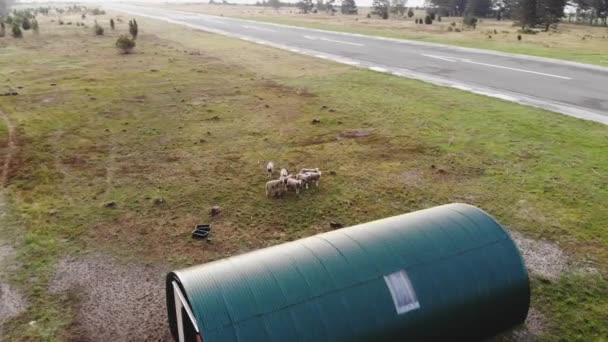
(528, 13)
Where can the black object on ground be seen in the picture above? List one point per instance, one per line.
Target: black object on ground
(201, 231)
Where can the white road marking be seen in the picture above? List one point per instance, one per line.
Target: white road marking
(464, 60)
(258, 28)
(332, 40)
(515, 69)
(439, 57)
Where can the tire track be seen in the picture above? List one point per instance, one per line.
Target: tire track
(11, 149)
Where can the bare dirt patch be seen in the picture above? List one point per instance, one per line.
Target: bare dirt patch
(542, 258)
(114, 301)
(354, 133)
(12, 302)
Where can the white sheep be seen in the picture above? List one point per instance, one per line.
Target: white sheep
(304, 178)
(270, 168)
(314, 177)
(284, 173)
(293, 184)
(275, 188)
(310, 170)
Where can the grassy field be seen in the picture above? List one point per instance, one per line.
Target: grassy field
(186, 123)
(578, 43)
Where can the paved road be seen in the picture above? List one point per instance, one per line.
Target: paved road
(574, 89)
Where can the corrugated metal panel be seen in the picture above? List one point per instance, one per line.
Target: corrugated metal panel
(450, 271)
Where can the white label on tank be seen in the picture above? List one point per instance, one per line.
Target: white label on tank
(402, 291)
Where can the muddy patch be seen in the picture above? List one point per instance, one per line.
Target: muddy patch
(542, 258)
(114, 301)
(354, 133)
(12, 302)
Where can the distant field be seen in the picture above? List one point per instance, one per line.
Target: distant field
(578, 43)
(122, 155)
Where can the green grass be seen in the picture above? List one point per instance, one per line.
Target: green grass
(575, 49)
(576, 305)
(197, 129)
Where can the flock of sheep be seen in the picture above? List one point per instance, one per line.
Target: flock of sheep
(288, 182)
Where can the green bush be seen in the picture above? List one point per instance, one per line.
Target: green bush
(26, 24)
(17, 33)
(428, 20)
(125, 44)
(35, 26)
(112, 25)
(98, 30)
(133, 29)
(470, 21)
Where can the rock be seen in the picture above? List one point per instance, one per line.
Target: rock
(53, 84)
(215, 210)
(332, 110)
(335, 225)
(153, 70)
(332, 172)
(323, 107)
(53, 212)
(159, 201)
(110, 204)
(316, 121)
(202, 140)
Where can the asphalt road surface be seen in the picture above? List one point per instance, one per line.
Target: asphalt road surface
(575, 89)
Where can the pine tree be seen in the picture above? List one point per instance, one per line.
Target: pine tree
(410, 13)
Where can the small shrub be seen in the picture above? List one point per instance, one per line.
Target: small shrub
(60, 22)
(450, 29)
(369, 16)
(457, 30)
(519, 37)
(26, 24)
(17, 33)
(2, 30)
(410, 13)
(438, 18)
(432, 15)
(428, 20)
(112, 25)
(528, 30)
(470, 21)
(35, 26)
(133, 28)
(97, 11)
(125, 44)
(453, 23)
(495, 32)
(98, 30)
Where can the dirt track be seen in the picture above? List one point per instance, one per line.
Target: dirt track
(113, 301)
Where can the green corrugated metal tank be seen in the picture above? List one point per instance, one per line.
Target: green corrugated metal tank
(449, 272)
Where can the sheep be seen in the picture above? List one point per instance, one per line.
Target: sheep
(314, 177)
(270, 168)
(310, 170)
(293, 184)
(275, 188)
(304, 178)
(284, 173)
